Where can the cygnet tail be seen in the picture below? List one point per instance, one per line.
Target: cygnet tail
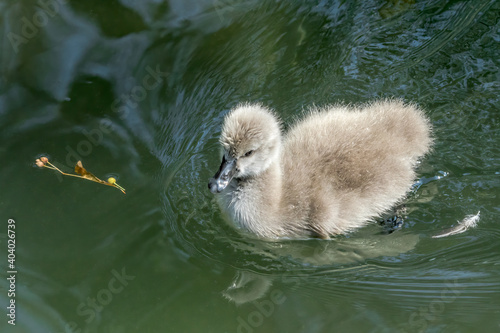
(470, 221)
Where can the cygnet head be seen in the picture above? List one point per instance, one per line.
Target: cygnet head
(251, 139)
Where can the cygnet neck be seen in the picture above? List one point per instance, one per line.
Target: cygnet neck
(265, 191)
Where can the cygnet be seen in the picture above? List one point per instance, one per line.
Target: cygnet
(332, 172)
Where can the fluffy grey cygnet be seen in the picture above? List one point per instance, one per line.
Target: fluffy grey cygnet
(332, 172)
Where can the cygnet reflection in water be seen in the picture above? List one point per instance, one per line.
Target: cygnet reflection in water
(332, 172)
(317, 254)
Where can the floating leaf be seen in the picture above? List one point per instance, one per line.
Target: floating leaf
(79, 169)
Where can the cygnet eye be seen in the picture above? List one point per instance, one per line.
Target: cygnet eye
(248, 153)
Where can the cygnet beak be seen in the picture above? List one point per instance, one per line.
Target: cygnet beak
(223, 176)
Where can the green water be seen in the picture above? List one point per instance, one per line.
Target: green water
(138, 90)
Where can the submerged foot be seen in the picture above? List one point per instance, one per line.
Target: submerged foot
(393, 222)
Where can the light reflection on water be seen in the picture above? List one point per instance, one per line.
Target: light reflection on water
(93, 64)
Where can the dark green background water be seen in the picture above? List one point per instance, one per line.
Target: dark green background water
(138, 90)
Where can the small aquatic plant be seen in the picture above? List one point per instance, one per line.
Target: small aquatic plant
(43, 162)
